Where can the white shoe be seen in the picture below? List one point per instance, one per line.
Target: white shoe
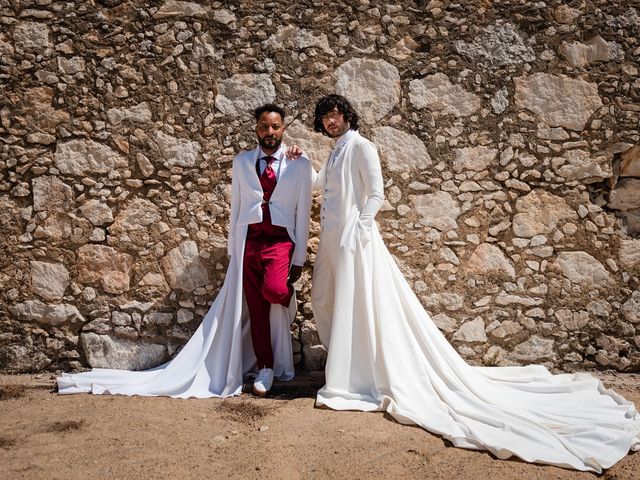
(263, 382)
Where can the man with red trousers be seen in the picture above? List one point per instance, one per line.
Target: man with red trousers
(270, 209)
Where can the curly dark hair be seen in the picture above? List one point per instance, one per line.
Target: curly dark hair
(268, 108)
(328, 103)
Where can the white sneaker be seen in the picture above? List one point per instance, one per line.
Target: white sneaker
(263, 382)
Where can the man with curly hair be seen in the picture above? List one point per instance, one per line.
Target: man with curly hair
(336, 118)
(385, 352)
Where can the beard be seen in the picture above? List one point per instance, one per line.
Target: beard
(337, 132)
(270, 142)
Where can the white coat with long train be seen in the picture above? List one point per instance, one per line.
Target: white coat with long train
(385, 353)
(213, 361)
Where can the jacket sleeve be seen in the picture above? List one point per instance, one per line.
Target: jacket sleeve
(235, 206)
(303, 215)
(368, 165)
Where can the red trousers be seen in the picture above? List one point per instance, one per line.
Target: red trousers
(265, 273)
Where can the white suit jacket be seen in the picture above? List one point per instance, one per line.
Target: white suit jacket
(290, 203)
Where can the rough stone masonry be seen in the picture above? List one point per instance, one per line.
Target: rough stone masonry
(508, 131)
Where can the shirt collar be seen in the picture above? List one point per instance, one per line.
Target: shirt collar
(277, 154)
(344, 138)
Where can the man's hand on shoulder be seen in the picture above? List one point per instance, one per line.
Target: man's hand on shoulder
(294, 152)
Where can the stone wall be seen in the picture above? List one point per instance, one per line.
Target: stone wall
(508, 131)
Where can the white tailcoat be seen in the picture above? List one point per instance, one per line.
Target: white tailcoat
(385, 353)
(289, 205)
(213, 361)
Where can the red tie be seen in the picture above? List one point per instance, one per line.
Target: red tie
(268, 178)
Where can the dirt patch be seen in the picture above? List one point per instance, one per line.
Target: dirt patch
(7, 442)
(8, 392)
(244, 411)
(65, 426)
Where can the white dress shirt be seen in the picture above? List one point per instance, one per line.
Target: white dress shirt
(275, 165)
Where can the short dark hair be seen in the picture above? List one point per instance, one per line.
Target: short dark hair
(328, 103)
(268, 108)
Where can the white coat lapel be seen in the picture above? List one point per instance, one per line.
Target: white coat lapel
(251, 171)
(348, 146)
(284, 164)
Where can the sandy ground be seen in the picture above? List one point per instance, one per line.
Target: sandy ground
(48, 436)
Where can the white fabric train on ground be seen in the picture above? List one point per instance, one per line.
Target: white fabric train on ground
(213, 361)
(386, 354)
